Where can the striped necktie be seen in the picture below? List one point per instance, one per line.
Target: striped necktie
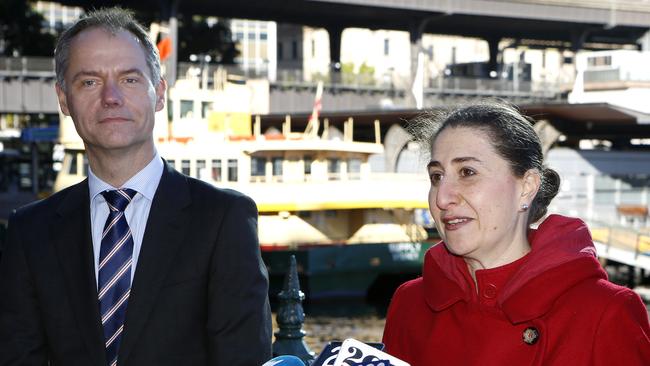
(114, 281)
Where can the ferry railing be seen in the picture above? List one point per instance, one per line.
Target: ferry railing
(623, 245)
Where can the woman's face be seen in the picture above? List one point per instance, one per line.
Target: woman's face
(475, 199)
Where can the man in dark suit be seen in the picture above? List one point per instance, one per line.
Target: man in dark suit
(137, 265)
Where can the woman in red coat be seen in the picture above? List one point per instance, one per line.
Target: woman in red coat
(495, 291)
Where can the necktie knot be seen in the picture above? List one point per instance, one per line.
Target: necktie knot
(118, 199)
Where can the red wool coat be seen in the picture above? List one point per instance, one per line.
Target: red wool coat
(552, 307)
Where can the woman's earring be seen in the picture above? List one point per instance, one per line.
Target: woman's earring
(524, 206)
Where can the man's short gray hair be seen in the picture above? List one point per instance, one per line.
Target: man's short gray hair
(113, 20)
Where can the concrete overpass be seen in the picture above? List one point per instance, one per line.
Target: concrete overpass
(577, 24)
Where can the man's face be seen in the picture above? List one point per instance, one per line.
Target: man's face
(109, 92)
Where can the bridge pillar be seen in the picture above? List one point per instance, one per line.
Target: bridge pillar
(415, 96)
(493, 46)
(335, 32)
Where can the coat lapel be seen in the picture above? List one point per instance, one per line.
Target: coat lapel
(71, 235)
(162, 238)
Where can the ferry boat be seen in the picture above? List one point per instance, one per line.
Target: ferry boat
(354, 232)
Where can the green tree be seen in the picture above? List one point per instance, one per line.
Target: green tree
(21, 30)
(198, 36)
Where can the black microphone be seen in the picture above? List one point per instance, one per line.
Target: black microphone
(284, 361)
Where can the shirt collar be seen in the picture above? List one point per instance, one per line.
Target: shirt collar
(144, 182)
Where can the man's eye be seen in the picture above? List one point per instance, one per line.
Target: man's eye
(467, 172)
(89, 82)
(131, 80)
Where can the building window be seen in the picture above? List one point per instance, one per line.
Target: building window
(232, 170)
(216, 170)
(386, 46)
(206, 107)
(280, 53)
(185, 167)
(294, 50)
(313, 48)
(187, 108)
(171, 163)
(200, 169)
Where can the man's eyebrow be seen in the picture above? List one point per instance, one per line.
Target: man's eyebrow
(83, 73)
(94, 73)
(462, 159)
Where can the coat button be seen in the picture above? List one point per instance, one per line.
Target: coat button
(490, 291)
(531, 335)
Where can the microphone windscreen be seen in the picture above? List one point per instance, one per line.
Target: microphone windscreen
(284, 361)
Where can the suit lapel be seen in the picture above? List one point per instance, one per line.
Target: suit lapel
(162, 238)
(71, 235)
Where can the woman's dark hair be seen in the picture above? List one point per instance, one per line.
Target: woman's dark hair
(511, 134)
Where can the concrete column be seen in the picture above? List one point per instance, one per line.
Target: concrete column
(335, 33)
(493, 46)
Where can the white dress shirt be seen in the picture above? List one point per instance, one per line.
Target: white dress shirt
(145, 182)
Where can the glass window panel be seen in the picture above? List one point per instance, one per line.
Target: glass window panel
(216, 170)
(232, 170)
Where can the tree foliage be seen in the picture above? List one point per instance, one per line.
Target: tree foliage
(196, 35)
(21, 30)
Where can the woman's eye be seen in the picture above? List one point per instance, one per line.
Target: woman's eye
(435, 178)
(467, 172)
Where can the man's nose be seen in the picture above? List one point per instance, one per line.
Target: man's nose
(111, 95)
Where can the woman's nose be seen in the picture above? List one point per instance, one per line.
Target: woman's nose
(446, 194)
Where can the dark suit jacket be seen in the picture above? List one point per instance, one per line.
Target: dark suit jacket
(199, 295)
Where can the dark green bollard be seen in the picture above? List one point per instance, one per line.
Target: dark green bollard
(290, 317)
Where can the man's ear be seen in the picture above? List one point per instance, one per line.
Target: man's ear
(161, 88)
(531, 182)
(63, 102)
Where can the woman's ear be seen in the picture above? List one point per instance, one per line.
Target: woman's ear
(531, 182)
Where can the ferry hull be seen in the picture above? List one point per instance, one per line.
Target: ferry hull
(347, 270)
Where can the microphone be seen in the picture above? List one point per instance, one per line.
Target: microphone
(284, 361)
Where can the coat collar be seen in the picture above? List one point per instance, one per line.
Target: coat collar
(71, 236)
(168, 219)
(562, 255)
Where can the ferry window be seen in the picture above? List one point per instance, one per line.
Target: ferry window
(257, 166)
(200, 169)
(232, 170)
(187, 108)
(277, 166)
(73, 165)
(85, 166)
(308, 161)
(206, 107)
(172, 163)
(333, 167)
(185, 167)
(216, 170)
(354, 168)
